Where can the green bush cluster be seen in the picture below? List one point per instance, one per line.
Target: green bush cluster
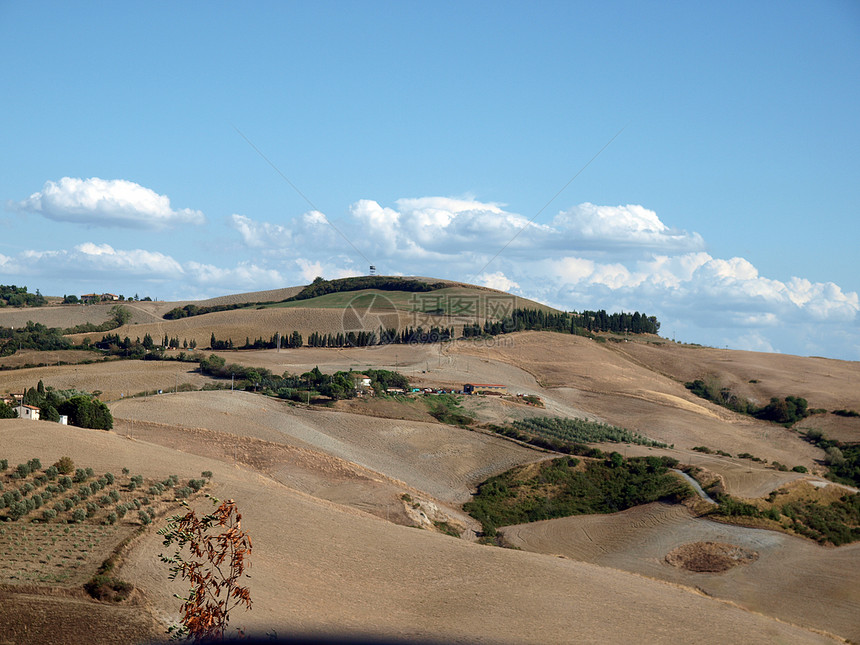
(560, 489)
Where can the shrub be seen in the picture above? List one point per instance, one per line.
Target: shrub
(92, 509)
(4, 464)
(136, 503)
(65, 482)
(18, 510)
(183, 492)
(65, 466)
(49, 513)
(800, 469)
(144, 501)
(110, 478)
(68, 504)
(125, 471)
(114, 495)
(196, 484)
(90, 472)
(104, 500)
(120, 510)
(27, 488)
(34, 464)
(79, 515)
(207, 474)
(22, 470)
(59, 507)
(144, 518)
(132, 485)
(52, 472)
(103, 587)
(80, 476)
(102, 481)
(111, 518)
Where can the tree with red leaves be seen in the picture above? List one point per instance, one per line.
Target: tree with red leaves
(218, 549)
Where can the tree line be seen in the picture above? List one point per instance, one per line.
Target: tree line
(565, 322)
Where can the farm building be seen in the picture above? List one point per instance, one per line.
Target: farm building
(361, 380)
(28, 412)
(477, 388)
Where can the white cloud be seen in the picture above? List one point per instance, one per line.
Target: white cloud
(497, 280)
(261, 234)
(590, 226)
(244, 276)
(105, 202)
(310, 270)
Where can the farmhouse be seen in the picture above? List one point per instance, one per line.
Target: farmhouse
(361, 380)
(478, 388)
(28, 412)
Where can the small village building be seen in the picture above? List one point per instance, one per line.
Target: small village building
(90, 297)
(64, 420)
(478, 388)
(30, 412)
(361, 380)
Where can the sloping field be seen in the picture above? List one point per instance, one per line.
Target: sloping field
(793, 579)
(590, 376)
(236, 325)
(35, 357)
(826, 383)
(318, 567)
(64, 316)
(112, 378)
(444, 462)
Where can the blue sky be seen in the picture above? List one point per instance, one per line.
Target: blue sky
(429, 134)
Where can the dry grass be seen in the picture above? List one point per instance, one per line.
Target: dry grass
(113, 378)
(793, 579)
(346, 572)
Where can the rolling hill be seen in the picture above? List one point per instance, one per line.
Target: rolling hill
(353, 506)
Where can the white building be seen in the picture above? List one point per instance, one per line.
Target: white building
(28, 412)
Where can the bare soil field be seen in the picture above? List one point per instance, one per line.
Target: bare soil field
(71, 619)
(793, 579)
(34, 357)
(65, 316)
(323, 569)
(113, 378)
(587, 375)
(444, 462)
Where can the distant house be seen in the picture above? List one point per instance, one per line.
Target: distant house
(361, 380)
(89, 298)
(28, 412)
(64, 420)
(478, 388)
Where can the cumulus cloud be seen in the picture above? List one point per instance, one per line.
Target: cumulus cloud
(497, 280)
(631, 226)
(105, 202)
(261, 234)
